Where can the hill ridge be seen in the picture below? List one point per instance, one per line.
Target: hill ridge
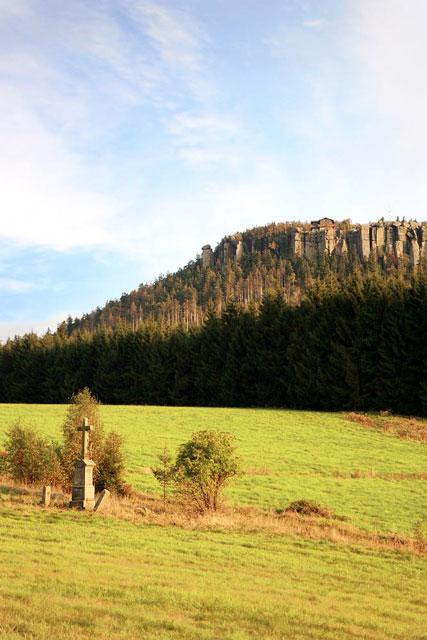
(282, 257)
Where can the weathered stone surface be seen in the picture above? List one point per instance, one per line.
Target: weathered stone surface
(46, 495)
(364, 241)
(207, 256)
(423, 241)
(83, 491)
(398, 239)
(239, 251)
(228, 251)
(102, 500)
(295, 243)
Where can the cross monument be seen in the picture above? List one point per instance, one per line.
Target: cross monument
(83, 491)
(86, 428)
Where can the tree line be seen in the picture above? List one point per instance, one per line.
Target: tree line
(353, 344)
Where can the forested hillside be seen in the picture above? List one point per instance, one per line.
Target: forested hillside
(281, 258)
(355, 343)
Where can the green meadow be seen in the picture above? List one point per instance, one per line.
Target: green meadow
(74, 575)
(287, 455)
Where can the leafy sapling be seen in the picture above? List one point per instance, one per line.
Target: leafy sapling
(164, 473)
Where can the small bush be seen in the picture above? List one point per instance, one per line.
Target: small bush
(308, 508)
(164, 473)
(106, 452)
(111, 465)
(204, 465)
(83, 405)
(31, 458)
(3, 462)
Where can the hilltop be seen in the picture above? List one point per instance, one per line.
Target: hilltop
(329, 316)
(280, 257)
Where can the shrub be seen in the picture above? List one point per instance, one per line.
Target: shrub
(111, 465)
(83, 405)
(3, 462)
(204, 465)
(31, 458)
(308, 508)
(107, 452)
(164, 473)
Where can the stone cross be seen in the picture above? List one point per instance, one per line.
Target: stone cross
(86, 428)
(83, 491)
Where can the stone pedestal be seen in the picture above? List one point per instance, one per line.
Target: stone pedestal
(47, 492)
(83, 492)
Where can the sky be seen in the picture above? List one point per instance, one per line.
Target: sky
(135, 131)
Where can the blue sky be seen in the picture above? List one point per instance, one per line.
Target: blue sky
(134, 131)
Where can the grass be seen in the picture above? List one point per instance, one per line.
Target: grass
(245, 574)
(77, 575)
(371, 477)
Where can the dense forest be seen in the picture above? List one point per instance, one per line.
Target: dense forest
(268, 265)
(354, 341)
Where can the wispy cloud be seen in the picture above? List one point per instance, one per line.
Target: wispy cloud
(205, 139)
(64, 106)
(39, 326)
(319, 23)
(177, 39)
(46, 198)
(392, 49)
(360, 101)
(14, 285)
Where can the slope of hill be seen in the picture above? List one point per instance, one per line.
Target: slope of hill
(283, 257)
(374, 479)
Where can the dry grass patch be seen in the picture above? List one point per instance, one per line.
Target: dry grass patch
(371, 473)
(142, 508)
(405, 428)
(259, 471)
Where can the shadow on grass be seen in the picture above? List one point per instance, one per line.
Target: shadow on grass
(13, 491)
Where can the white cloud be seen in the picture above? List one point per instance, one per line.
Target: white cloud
(197, 157)
(391, 48)
(19, 327)
(205, 139)
(15, 285)
(174, 229)
(357, 104)
(184, 124)
(178, 39)
(44, 200)
(173, 33)
(315, 24)
(69, 79)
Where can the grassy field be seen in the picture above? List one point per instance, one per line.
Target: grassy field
(365, 475)
(76, 576)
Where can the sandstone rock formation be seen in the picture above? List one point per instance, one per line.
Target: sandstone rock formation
(397, 239)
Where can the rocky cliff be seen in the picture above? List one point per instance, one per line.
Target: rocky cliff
(397, 239)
